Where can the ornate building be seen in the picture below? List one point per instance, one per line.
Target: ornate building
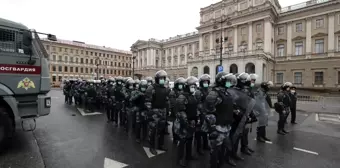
(299, 43)
(74, 59)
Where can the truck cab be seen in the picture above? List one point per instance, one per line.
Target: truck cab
(24, 78)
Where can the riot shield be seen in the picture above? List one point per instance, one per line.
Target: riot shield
(261, 108)
(246, 103)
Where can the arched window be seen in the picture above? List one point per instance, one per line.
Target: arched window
(206, 70)
(233, 69)
(250, 68)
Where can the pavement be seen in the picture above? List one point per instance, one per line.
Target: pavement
(69, 139)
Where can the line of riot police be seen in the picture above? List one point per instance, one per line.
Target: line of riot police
(217, 117)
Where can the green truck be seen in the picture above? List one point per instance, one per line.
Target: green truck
(24, 79)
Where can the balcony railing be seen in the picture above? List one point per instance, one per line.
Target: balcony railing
(205, 56)
(303, 5)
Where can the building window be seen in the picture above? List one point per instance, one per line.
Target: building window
(54, 78)
(243, 31)
(60, 78)
(81, 70)
(65, 69)
(318, 78)
(81, 60)
(76, 69)
(71, 59)
(60, 69)
(279, 78)
(71, 69)
(258, 28)
(319, 23)
(54, 57)
(298, 27)
(319, 46)
(259, 45)
(298, 77)
(298, 48)
(71, 50)
(66, 59)
(280, 30)
(54, 68)
(60, 58)
(338, 77)
(280, 50)
(76, 60)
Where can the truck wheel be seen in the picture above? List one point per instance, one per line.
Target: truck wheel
(6, 128)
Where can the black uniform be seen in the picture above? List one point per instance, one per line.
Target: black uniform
(156, 101)
(283, 108)
(293, 98)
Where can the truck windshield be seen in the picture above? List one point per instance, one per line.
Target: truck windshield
(11, 41)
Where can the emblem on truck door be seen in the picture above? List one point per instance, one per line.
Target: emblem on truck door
(26, 83)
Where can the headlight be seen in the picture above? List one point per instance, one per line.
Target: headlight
(47, 102)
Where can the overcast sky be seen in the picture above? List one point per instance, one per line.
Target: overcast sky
(114, 23)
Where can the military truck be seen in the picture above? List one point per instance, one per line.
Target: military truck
(24, 79)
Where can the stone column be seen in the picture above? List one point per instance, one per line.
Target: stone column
(235, 43)
(331, 40)
(138, 59)
(267, 36)
(147, 57)
(186, 54)
(166, 57)
(172, 56)
(250, 36)
(193, 47)
(211, 42)
(258, 70)
(308, 36)
(201, 43)
(289, 39)
(179, 55)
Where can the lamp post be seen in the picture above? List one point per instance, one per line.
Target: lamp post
(97, 64)
(221, 40)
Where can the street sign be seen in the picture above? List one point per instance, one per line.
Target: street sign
(220, 68)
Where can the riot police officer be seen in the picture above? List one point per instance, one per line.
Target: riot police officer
(156, 101)
(201, 94)
(248, 88)
(283, 107)
(179, 85)
(138, 100)
(219, 108)
(120, 97)
(149, 80)
(111, 100)
(128, 113)
(137, 82)
(90, 95)
(185, 122)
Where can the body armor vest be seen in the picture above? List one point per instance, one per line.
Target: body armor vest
(224, 110)
(160, 97)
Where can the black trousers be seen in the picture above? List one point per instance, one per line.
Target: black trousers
(282, 121)
(109, 113)
(244, 138)
(185, 145)
(201, 139)
(261, 132)
(293, 113)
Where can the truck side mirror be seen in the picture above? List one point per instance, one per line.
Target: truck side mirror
(27, 38)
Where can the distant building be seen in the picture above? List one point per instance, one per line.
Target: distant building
(299, 43)
(73, 59)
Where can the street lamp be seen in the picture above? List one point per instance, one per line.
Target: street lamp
(134, 55)
(221, 40)
(97, 64)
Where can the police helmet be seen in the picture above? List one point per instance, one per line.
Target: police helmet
(143, 85)
(191, 84)
(149, 79)
(205, 78)
(232, 79)
(137, 82)
(220, 78)
(286, 85)
(130, 82)
(160, 74)
(179, 83)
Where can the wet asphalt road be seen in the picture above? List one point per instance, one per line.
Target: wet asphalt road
(66, 139)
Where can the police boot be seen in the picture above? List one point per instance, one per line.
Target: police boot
(245, 150)
(259, 136)
(264, 133)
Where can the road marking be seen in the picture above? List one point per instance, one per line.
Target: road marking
(109, 163)
(54, 97)
(316, 117)
(307, 151)
(268, 142)
(82, 112)
(149, 154)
